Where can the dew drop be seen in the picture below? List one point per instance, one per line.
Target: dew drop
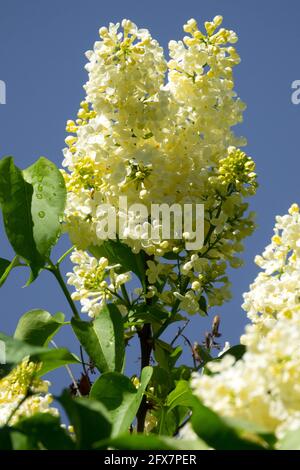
(39, 196)
(42, 214)
(40, 187)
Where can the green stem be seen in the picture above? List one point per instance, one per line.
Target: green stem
(168, 320)
(183, 284)
(212, 227)
(27, 395)
(125, 294)
(145, 336)
(146, 344)
(116, 295)
(162, 421)
(54, 269)
(68, 369)
(61, 259)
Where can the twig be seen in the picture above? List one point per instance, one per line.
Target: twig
(83, 365)
(192, 349)
(180, 331)
(69, 372)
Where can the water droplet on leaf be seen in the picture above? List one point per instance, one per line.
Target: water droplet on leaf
(42, 214)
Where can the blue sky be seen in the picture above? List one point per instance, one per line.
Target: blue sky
(42, 47)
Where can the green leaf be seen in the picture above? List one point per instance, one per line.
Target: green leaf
(204, 354)
(181, 396)
(167, 422)
(161, 382)
(244, 427)
(217, 433)
(181, 373)
(15, 199)
(6, 267)
(17, 350)
(90, 419)
(45, 429)
(236, 351)
(22, 442)
(5, 438)
(151, 442)
(103, 339)
(55, 358)
(38, 327)
(203, 304)
(120, 397)
(4, 263)
(148, 314)
(48, 203)
(291, 441)
(10, 439)
(119, 253)
(171, 256)
(166, 355)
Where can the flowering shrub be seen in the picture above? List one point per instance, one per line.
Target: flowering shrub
(263, 386)
(151, 132)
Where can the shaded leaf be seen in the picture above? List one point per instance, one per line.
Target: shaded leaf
(203, 304)
(10, 439)
(4, 263)
(151, 442)
(90, 419)
(5, 438)
(166, 355)
(181, 373)
(260, 433)
(215, 431)
(161, 382)
(120, 397)
(148, 314)
(103, 338)
(45, 429)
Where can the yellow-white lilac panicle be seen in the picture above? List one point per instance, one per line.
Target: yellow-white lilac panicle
(264, 386)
